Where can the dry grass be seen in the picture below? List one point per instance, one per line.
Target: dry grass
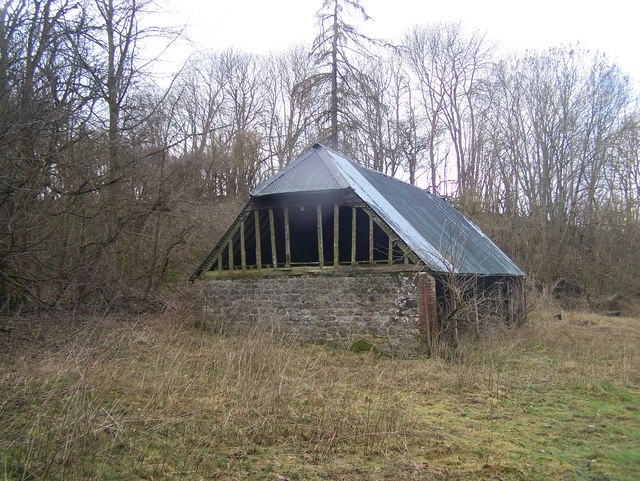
(159, 398)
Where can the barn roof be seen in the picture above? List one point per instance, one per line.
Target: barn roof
(444, 239)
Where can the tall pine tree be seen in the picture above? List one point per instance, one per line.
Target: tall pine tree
(334, 50)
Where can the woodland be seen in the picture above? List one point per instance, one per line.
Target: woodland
(113, 185)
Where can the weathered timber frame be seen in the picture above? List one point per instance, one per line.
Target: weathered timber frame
(267, 228)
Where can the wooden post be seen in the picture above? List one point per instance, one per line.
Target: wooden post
(370, 240)
(272, 231)
(390, 256)
(287, 240)
(336, 233)
(220, 261)
(475, 304)
(256, 216)
(353, 236)
(230, 254)
(320, 247)
(427, 309)
(243, 252)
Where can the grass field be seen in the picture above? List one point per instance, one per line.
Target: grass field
(158, 398)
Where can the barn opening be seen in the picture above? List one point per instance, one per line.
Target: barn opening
(319, 235)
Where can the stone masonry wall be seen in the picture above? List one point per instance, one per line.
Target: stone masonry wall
(379, 308)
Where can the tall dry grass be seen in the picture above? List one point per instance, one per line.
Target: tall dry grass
(158, 397)
(162, 398)
(580, 347)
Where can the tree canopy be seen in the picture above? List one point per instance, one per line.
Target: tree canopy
(112, 187)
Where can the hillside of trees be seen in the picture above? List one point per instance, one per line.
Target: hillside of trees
(113, 187)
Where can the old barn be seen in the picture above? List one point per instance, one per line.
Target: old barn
(330, 251)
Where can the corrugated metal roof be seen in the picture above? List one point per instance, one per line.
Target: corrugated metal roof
(308, 173)
(444, 239)
(385, 209)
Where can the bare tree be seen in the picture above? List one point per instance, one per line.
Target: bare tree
(449, 66)
(378, 108)
(291, 105)
(419, 49)
(43, 112)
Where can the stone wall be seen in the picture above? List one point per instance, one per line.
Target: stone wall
(379, 308)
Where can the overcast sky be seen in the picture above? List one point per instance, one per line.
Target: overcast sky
(609, 26)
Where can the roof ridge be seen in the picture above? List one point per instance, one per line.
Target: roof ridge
(377, 172)
(330, 164)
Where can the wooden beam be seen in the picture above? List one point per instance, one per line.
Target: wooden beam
(230, 253)
(345, 198)
(336, 233)
(243, 251)
(390, 255)
(272, 232)
(320, 246)
(287, 239)
(353, 236)
(256, 217)
(371, 239)
(304, 270)
(387, 230)
(219, 251)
